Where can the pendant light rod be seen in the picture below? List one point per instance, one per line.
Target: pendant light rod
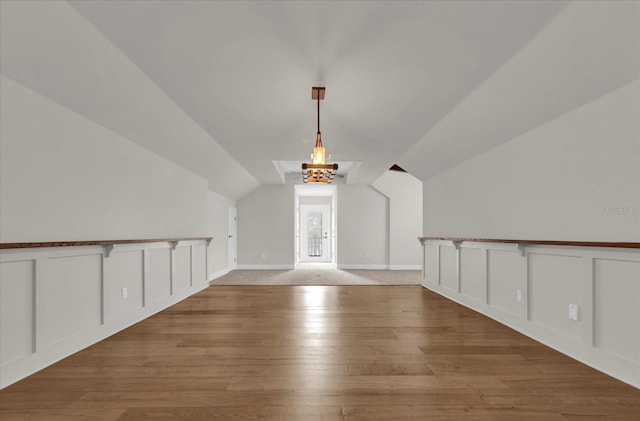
(318, 114)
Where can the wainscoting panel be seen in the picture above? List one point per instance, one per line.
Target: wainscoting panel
(431, 263)
(554, 283)
(124, 283)
(182, 270)
(199, 266)
(617, 307)
(17, 287)
(72, 288)
(158, 286)
(55, 301)
(506, 277)
(473, 282)
(449, 268)
(530, 287)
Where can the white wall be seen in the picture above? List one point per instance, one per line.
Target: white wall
(363, 228)
(574, 178)
(405, 218)
(266, 228)
(63, 177)
(217, 227)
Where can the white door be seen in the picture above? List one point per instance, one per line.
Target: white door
(315, 233)
(232, 241)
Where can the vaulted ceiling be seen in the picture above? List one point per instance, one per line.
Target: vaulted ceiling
(223, 88)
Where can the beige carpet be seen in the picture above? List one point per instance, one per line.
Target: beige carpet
(320, 277)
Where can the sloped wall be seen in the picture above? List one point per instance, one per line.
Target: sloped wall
(63, 177)
(574, 178)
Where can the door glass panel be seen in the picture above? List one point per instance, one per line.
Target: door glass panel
(314, 234)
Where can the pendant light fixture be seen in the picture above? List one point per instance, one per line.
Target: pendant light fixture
(318, 171)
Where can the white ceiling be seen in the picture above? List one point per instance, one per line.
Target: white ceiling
(226, 86)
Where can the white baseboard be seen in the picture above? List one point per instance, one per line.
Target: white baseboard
(405, 267)
(215, 275)
(265, 267)
(347, 266)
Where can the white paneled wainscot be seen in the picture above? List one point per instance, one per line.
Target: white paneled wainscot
(55, 301)
(532, 287)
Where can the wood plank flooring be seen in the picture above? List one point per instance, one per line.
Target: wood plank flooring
(319, 353)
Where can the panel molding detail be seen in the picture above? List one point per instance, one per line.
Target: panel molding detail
(530, 290)
(62, 299)
(17, 284)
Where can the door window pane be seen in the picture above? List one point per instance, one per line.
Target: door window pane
(314, 234)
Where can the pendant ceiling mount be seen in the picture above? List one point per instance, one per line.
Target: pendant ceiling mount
(318, 171)
(317, 92)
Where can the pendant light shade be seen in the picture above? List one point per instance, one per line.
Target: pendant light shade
(319, 154)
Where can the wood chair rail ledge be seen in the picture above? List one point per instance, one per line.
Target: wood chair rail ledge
(631, 245)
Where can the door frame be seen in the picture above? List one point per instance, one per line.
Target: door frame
(232, 238)
(307, 191)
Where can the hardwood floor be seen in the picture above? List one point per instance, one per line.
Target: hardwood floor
(319, 353)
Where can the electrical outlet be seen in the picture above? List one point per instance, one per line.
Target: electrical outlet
(368, 256)
(125, 293)
(574, 311)
(519, 295)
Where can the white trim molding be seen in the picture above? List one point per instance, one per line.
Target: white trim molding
(60, 300)
(531, 291)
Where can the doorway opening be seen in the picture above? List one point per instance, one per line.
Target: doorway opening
(315, 226)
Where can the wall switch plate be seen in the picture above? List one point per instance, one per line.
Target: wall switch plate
(519, 295)
(125, 293)
(573, 311)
